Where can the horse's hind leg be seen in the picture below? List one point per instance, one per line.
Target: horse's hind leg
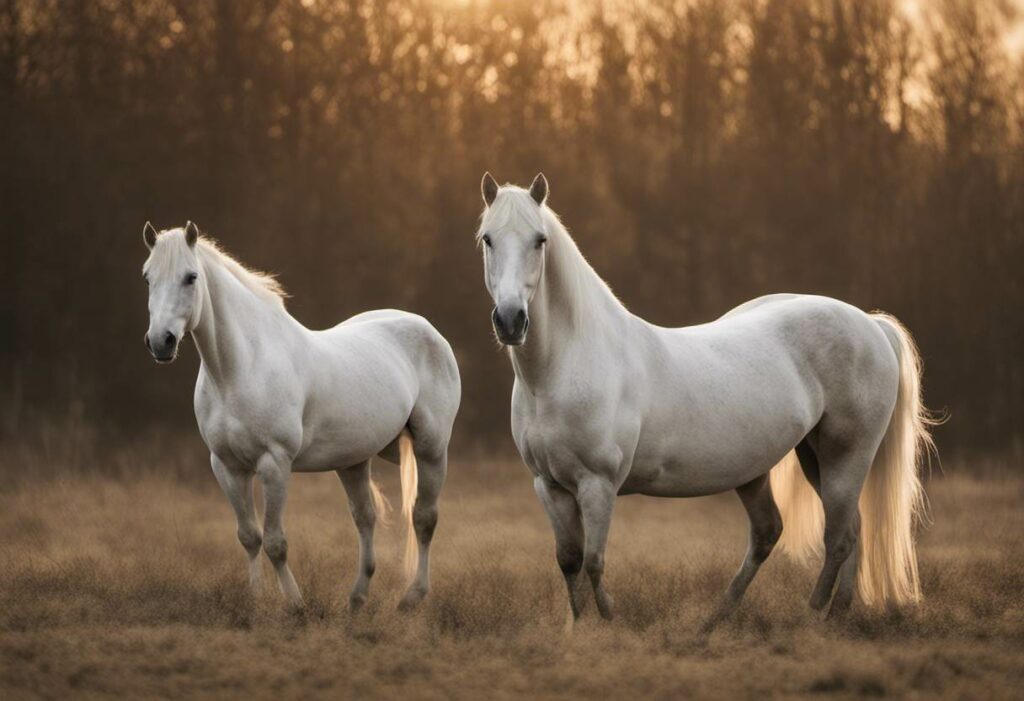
(237, 486)
(765, 529)
(847, 579)
(356, 481)
(847, 583)
(432, 468)
(564, 514)
(273, 474)
(842, 472)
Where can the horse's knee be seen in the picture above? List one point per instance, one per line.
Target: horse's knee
(594, 564)
(276, 548)
(364, 516)
(250, 538)
(763, 548)
(424, 520)
(766, 538)
(840, 548)
(570, 559)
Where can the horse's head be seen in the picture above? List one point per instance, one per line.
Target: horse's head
(513, 234)
(175, 300)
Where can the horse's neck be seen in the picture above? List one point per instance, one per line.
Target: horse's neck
(572, 306)
(233, 319)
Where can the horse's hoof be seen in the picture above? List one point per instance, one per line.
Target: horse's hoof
(837, 613)
(411, 600)
(570, 622)
(356, 602)
(604, 607)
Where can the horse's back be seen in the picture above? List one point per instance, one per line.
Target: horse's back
(760, 302)
(794, 305)
(799, 316)
(409, 331)
(378, 315)
(821, 335)
(392, 327)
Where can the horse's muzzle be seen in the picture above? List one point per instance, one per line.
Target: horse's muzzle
(510, 325)
(166, 351)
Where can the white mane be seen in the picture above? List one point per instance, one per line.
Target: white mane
(579, 281)
(262, 284)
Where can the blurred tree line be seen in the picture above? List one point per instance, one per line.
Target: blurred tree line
(702, 152)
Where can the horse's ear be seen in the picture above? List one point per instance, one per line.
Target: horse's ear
(489, 189)
(149, 235)
(191, 234)
(539, 189)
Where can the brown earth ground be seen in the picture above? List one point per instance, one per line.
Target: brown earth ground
(135, 587)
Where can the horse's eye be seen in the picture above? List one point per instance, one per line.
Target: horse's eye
(541, 240)
(487, 240)
(191, 278)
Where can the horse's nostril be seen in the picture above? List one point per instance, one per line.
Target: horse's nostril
(520, 317)
(145, 338)
(170, 339)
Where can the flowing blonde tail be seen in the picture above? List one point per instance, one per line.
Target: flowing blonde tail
(409, 485)
(803, 519)
(892, 501)
(381, 505)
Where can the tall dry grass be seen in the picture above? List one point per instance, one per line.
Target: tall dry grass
(133, 585)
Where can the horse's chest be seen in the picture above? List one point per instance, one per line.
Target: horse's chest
(562, 442)
(244, 428)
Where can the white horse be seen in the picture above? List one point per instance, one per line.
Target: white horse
(274, 397)
(605, 403)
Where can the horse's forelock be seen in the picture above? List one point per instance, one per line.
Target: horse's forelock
(512, 203)
(165, 252)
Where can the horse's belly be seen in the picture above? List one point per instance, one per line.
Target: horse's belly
(325, 456)
(330, 446)
(678, 479)
(350, 429)
(692, 466)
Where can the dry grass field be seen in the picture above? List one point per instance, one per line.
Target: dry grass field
(135, 587)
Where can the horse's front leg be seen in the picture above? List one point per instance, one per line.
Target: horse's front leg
(596, 498)
(564, 513)
(237, 486)
(274, 473)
